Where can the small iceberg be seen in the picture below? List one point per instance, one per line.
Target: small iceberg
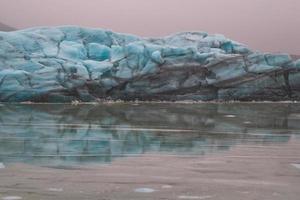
(2, 166)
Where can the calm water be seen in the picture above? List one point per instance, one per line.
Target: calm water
(63, 135)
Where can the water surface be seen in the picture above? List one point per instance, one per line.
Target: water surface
(66, 135)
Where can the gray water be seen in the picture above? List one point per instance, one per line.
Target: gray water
(64, 135)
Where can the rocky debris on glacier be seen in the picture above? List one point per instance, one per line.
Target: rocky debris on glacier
(64, 64)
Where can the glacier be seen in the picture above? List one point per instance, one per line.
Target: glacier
(70, 63)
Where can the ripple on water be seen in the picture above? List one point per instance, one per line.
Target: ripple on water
(194, 197)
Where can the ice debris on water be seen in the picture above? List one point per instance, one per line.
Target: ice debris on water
(144, 190)
(55, 189)
(297, 165)
(194, 197)
(11, 198)
(166, 186)
(230, 116)
(2, 166)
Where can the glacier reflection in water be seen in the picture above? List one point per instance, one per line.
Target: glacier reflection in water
(70, 135)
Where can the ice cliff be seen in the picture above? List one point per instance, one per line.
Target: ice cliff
(63, 64)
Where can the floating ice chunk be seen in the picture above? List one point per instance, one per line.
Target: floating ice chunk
(144, 190)
(296, 165)
(166, 186)
(11, 198)
(230, 116)
(55, 189)
(194, 197)
(2, 166)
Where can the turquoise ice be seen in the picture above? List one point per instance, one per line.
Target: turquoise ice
(63, 64)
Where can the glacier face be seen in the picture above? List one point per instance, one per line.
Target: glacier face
(64, 64)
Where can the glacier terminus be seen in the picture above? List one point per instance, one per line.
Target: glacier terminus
(70, 63)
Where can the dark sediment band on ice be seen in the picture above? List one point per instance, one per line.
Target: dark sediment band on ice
(64, 64)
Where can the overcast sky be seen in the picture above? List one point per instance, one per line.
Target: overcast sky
(268, 25)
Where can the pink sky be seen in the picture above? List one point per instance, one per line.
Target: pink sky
(267, 25)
